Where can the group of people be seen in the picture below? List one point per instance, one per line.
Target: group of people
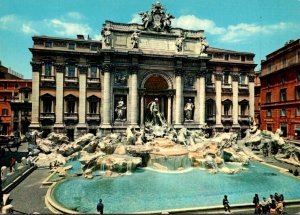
(273, 205)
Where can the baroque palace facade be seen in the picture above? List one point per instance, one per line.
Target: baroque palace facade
(82, 85)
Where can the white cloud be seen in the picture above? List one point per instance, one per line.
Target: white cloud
(194, 23)
(97, 36)
(6, 21)
(243, 31)
(136, 18)
(68, 28)
(74, 15)
(27, 29)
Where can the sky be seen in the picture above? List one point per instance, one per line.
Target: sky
(258, 26)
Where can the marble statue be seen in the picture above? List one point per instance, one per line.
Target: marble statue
(121, 110)
(188, 110)
(156, 116)
(135, 40)
(204, 45)
(146, 18)
(179, 43)
(167, 21)
(106, 33)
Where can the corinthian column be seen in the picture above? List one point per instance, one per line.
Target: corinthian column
(178, 97)
(218, 88)
(59, 107)
(201, 97)
(106, 123)
(134, 95)
(82, 95)
(235, 99)
(251, 96)
(36, 70)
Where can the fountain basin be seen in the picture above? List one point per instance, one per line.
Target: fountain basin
(146, 190)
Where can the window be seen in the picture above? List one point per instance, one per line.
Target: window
(283, 95)
(298, 76)
(268, 83)
(16, 85)
(5, 85)
(226, 109)
(243, 78)
(298, 57)
(269, 97)
(48, 44)
(208, 78)
(269, 113)
(244, 109)
(4, 112)
(297, 112)
(226, 57)
(210, 108)
(282, 112)
(270, 68)
(269, 127)
(93, 107)
(71, 106)
(72, 46)
(297, 92)
(71, 70)
(48, 68)
(226, 77)
(283, 62)
(94, 48)
(47, 106)
(93, 72)
(26, 96)
(243, 58)
(283, 79)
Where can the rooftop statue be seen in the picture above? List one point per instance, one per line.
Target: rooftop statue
(106, 36)
(135, 40)
(157, 19)
(204, 45)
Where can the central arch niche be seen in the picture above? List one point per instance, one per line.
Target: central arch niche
(157, 86)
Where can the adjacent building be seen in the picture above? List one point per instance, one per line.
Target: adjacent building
(257, 98)
(82, 85)
(280, 90)
(15, 102)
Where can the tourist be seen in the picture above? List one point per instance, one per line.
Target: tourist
(282, 199)
(257, 209)
(264, 206)
(272, 205)
(276, 197)
(256, 203)
(100, 207)
(296, 173)
(226, 204)
(279, 207)
(12, 164)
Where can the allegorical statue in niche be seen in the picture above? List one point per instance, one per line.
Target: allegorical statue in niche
(156, 117)
(135, 40)
(121, 110)
(188, 110)
(204, 45)
(106, 36)
(179, 43)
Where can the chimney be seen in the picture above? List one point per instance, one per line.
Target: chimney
(80, 37)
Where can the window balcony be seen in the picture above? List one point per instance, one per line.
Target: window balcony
(244, 118)
(226, 118)
(93, 82)
(71, 79)
(93, 117)
(48, 78)
(47, 116)
(71, 116)
(211, 118)
(243, 86)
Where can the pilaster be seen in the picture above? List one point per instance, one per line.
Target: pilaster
(107, 114)
(235, 101)
(218, 88)
(251, 96)
(36, 71)
(134, 95)
(82, 97)
(201, 96)
(178, 97)
(59, 108)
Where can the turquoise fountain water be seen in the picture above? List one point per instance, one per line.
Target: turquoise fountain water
(147, 190)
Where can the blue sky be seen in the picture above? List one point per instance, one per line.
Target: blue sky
(258, 26)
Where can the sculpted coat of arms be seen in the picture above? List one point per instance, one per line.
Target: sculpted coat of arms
(157, 19)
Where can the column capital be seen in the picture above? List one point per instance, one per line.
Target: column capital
(59, 67)
(235, 77)
(82, 69)
(107, 67)
(36, 66)
(251, 78)
(201, 73)
(134, 68)
(178, 72)
(218, 76)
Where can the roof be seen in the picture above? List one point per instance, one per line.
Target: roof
(212, 49)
